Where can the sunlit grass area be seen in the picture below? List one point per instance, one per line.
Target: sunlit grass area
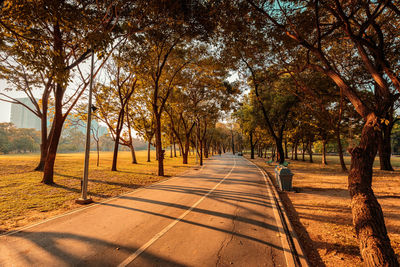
(23, 199)
(321, 213)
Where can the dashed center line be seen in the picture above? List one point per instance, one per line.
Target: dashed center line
(172, 224)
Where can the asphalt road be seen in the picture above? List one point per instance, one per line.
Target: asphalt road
(220, 215)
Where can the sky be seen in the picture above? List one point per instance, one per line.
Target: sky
(5, 107)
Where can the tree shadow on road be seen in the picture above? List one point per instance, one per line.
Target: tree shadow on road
(105, 253)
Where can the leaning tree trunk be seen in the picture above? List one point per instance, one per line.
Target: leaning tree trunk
(280, 154)
(48, 171)
(368, 218)
(134, 161)
(58, 122)
(340, 150)
(44, 146)
(385, 148)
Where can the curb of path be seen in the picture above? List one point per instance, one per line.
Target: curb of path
(97, 203)
(298, 256)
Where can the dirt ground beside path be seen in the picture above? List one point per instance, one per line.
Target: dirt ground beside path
(320, 212)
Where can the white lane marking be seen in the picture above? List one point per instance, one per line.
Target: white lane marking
(96, 204)
(172, 224)
(282, 234)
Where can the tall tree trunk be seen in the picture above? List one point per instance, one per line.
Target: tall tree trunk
(205, 150)
(185, 150)
(148, 151)
(324, 161)
(58, 121)
(293, 146)
(156, 153)
(368, 218)
(115, 154)
(160, 151)
(385, 148)
(340, 150)
(310, 152)
(295, 149)
(251, 145)
(233, 143)
(48, 171)
(174, 149)
(280, 154)
(134, 161)
(98, 153)
(120, 124)
(201, 152)
(303, 151)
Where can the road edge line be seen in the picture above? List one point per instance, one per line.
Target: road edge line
(298, 255)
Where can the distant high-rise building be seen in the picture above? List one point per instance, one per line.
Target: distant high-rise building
(22, 117)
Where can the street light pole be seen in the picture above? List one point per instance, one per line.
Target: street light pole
(84, 184)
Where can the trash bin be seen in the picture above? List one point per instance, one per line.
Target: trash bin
(284, 177)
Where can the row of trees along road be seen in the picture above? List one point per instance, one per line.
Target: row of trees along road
(290, 53)
(341, 57)
(149, 57)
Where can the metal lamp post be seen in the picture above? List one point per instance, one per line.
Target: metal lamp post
(84, 183)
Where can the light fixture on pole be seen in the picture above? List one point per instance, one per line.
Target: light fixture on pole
(84, 183)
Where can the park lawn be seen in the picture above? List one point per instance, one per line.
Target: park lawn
(321, 214)
(24, 200)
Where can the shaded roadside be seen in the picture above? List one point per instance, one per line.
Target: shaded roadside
(319, 209)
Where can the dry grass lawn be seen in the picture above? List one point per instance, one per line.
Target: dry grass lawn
(24, 200)
(320, 209)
